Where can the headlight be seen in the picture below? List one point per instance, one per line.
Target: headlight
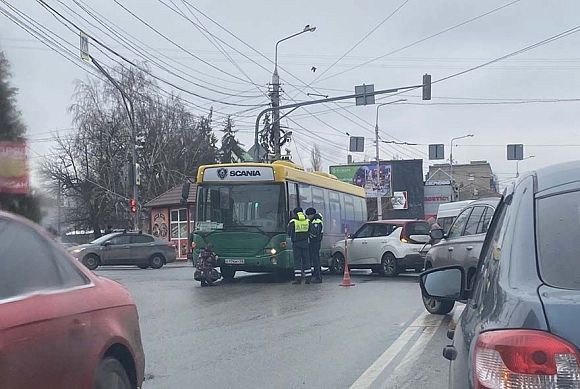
(271, 251)
(76, 251)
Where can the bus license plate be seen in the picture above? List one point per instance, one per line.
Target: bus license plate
(230, 261)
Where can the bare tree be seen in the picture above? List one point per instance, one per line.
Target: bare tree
(316, 159)
(92, 165)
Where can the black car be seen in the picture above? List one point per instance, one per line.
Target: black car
(520, 325)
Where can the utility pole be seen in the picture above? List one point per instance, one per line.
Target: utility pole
(451, 164)
(58, 203)
(275, 95)
(130, 113)
(378, 159)
(85, 56)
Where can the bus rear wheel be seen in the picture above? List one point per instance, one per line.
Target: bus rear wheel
(227, 273)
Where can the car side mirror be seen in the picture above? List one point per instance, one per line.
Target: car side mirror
(447, 283)
(420, 238)
(350, 236)
(437, 234)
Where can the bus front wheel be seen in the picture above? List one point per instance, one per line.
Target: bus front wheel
(228, 273)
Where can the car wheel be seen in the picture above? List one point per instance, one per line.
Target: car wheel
(337, 264)
(143, 266)
(91, 261)
(156, 261)
(111, 375)
(228, 273)
(436, 306)
(388, 265)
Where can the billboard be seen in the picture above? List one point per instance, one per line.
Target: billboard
(365, 175)
(13, 170)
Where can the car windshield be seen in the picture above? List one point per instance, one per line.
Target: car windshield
(259, 207)
(558, 223)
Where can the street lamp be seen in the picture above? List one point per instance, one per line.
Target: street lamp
(275, 97)
(379, 203)
(518, 163)
(451, 163)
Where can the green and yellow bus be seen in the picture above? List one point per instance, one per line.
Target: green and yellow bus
(243, 210)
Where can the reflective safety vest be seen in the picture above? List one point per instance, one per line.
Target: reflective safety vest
(302, 224)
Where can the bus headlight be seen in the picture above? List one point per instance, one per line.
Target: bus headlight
(271, 251)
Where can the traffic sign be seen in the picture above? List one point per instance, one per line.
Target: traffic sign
(515, 152)
(84, 46)
(436, 151)
(365, 94)
(357, 144)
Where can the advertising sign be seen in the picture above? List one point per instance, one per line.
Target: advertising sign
(399, 200)
(236, 174)
(13, 170)
(435, 195)
(366, 177)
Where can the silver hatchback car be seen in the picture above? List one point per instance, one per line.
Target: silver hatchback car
(125, 248)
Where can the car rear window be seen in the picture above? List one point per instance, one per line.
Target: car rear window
(418, 228)
(558, 228)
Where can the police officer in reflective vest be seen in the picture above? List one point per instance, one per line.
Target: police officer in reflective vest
(315, 241)
(299, 231)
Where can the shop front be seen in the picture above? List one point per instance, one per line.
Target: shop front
(171, 220)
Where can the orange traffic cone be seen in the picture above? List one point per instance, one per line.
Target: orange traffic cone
(346, 275)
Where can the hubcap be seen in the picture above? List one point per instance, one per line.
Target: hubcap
(157, 261)
(91, 261)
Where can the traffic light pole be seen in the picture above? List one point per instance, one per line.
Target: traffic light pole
(313, 102)
(130, 113)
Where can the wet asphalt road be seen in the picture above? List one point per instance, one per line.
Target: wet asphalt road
(259, 333)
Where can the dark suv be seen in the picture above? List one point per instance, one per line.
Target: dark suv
(520, 323)
(460, 246)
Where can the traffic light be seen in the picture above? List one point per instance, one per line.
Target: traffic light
(133, 205)
(426, 87)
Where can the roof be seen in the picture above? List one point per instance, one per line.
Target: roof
(286, 170)
(493, 201)
(557, 175)
(173, 197)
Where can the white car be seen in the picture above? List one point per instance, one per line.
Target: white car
(387, 247)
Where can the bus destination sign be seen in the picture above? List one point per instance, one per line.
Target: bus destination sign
(235, 173)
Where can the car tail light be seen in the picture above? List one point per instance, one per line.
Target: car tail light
(513, 359)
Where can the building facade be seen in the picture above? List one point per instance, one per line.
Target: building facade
(472, 181)
(172, 220)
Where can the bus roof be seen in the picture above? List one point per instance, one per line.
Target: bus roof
(452, 209)
(278, 171)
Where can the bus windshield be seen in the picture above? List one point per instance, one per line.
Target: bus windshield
(249, 206)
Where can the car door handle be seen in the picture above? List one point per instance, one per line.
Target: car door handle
(450, 249)
(469, 247)
(364, 242)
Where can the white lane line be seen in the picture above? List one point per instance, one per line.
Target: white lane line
(373, 372)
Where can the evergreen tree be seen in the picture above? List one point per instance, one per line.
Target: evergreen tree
(12, 129)
(231, 149)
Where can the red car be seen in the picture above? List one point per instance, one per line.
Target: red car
(61, 326)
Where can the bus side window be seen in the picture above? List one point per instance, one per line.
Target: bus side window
(358, 210)
(292, 196)
(349, 210)
(318, 200)
(327, 215)
(336, 220)
(305, 193)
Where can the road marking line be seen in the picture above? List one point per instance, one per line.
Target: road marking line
(375, 370)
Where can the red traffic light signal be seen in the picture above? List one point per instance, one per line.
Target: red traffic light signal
(133, 205)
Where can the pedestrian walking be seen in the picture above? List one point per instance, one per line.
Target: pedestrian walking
(315, 240)
(206, 262)
(299, 232)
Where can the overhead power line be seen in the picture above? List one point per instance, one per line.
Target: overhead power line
(132, 63)
(456, 26)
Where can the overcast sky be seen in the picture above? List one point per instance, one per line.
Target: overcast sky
(46, 80)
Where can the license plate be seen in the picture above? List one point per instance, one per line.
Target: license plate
(230, 261)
